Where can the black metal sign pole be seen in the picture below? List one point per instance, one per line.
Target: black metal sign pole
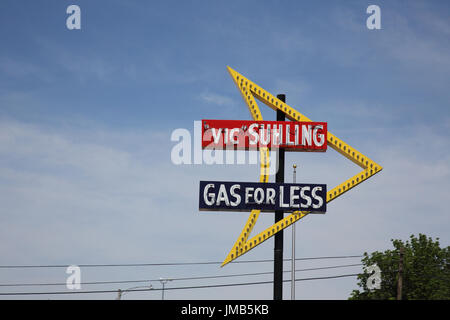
(279, 215)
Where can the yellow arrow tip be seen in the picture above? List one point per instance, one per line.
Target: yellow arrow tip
(231, 71)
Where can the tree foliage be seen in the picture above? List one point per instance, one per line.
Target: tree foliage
(426, 271)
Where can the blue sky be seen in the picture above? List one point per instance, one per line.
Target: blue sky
(86, 117)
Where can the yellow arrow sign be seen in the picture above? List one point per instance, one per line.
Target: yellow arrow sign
(249, 91)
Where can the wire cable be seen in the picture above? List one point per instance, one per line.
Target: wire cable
(174, 288)
(167, 263)
(175, 279)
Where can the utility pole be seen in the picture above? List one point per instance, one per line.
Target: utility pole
(400, 275)
(294, 180)
(279, 215)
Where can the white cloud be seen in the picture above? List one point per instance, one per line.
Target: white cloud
(216, 99)
(20, 69)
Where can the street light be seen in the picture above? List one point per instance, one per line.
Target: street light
(121, 293)
(163, 282)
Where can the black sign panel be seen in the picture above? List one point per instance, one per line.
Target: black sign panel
(246, 196)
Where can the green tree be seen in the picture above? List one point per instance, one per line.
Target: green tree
(426, 271)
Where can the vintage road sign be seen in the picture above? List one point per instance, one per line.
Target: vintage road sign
(249, 90)
(246, 196)
(248, 135)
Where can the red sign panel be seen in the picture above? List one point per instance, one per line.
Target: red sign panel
(249, 134)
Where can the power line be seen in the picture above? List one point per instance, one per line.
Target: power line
(167, 263)
(174, 288)
(176, 279)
